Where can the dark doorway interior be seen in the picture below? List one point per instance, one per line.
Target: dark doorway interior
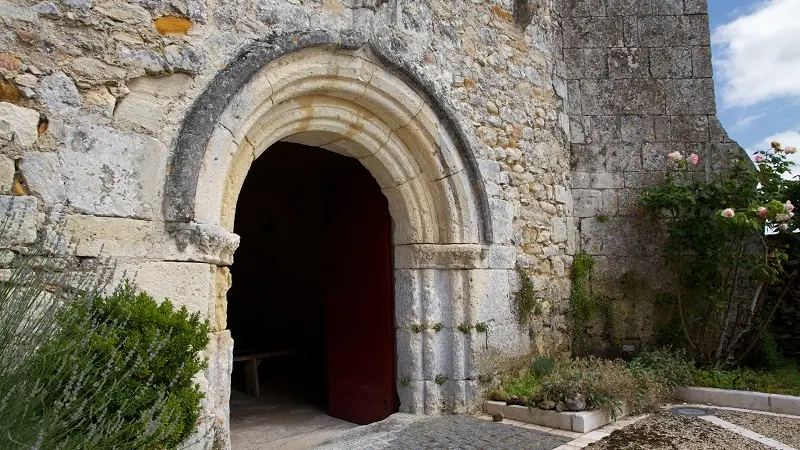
(312, 277)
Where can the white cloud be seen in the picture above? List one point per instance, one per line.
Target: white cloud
(746, 121)
(788, 138)
(758, 54)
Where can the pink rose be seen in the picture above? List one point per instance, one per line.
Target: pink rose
(674, 156)
(694, 159)
(783, 227)
(758, 158)
(727, 212)
(783, 217)
(789, 206)
(762, 212)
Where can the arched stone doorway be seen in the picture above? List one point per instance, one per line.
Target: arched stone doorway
(448, 266)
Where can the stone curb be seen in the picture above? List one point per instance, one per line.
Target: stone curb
(759, 401)
(580, 422)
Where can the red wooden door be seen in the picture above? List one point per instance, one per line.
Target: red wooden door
(359, 300)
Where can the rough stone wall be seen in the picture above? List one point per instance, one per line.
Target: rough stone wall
(638, 76)
(94, 93)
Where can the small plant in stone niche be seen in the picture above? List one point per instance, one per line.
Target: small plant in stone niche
(440, 379)
(405, 381)
(481, 327)
(438, 327)
(417, 328)
(602, 218)
(525, 302)
(485, 378)
(465, 328)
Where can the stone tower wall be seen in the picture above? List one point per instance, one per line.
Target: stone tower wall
(638, 76)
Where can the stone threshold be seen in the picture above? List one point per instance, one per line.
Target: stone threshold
(579, 422)
(758, 401)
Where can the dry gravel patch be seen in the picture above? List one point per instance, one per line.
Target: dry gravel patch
(785, 430)
(667, 431)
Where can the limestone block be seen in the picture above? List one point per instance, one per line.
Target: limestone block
(140, 110)
(701, 61)
(112, 237)
(668, 7)
(185, 284)
(59, 94)
(6, 174)
(623, 96)
(221, 151)
(124, 12)
(411, 202)
(436, 256)
(218, 373)
(412, 396)
(502, 214)
(559, 229)
(11, 13)
(223, 283)
(438, 353)
(128, 166)
(592, 31)
(671, 62)
(200, 242)
(674, 31)
(434, 398)
(636, 128)
(93, 70)
(409, 354)
(490, 296)
(508, 339)
(607, 180)
(587, 202)
(168, 86)
(18, 124)
(19, 220)
(628, 7)
(692, 96)
(408, 298)
(42, 172)
(628, 62)
(457, 209)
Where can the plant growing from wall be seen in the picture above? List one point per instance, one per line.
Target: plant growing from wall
(417, 328)
(732, 277)
(438, 327)
(465, 328)
(405, 381)
(525, 302)
(440, 379)
(481, 327)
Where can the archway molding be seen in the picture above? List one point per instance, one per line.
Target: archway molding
(448, 271)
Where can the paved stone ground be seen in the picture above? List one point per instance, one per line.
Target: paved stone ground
(405, 432)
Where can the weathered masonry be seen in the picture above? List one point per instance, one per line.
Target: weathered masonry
(499, 132)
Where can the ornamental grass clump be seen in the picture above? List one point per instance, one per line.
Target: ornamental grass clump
(79, 370)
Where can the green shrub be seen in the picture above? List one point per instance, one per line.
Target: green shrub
(669, 368)
(543, 366)
(525, 303)
(784, 379)
(110, 372)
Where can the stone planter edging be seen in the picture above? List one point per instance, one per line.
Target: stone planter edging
(580, 422)
(758, 401)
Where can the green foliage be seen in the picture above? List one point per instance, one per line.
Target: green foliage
(167, 340)
(643, 383)
(405, 381)
(417, 328)
(583, 304)
(481, 327)
(543, 366)
(465, 328)
(83, 371)
(717, 246)
(603, 218)
(440, 379)
(485, 378)
(525, 302)
(438, 327)
(784, 379)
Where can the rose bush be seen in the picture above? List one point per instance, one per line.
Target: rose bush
(722, 240)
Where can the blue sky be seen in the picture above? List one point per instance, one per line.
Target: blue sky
(756, 55)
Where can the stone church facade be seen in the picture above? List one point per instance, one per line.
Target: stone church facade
(502, 133)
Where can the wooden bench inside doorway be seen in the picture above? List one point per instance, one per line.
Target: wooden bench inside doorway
(251, 362)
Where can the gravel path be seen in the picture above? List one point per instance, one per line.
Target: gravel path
(665, 430)
(782, 429)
